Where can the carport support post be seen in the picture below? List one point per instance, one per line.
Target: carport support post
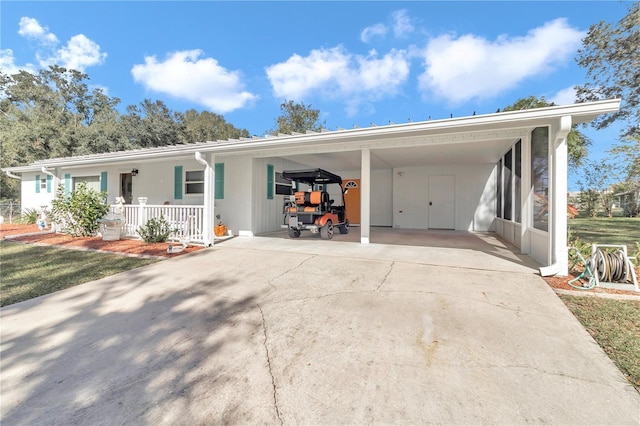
(209, 195)
(559, 249)
(365, 196)
(209, 207)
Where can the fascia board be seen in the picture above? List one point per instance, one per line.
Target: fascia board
(497, 121)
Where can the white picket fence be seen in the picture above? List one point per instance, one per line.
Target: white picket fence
(186, 222)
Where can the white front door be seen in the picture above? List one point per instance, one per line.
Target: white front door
(441, 204)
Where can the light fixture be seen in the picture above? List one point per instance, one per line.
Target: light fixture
(134, 172)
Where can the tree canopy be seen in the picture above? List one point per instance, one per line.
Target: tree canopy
(53, 113)
(611, 57)
(297, 118)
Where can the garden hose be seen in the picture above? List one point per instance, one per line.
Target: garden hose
(586, 272)
(611, 266)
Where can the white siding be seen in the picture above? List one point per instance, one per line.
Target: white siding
(381, 194)
(31, 199)
(474, 198)
(268, 213)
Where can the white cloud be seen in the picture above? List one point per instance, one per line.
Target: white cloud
(377, 30)
(203, 81)
(31, 28)
(402, 25)
(8, 63)
(79, 53)
(462, 68)
(565, 96)
(338, 74)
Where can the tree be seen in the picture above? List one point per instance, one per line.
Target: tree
(593, 185)
(577, 142)
(610, 56)
(152, 124)
(298, 118)
(208, 126)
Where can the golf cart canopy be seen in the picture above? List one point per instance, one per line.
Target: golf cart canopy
(312, 176)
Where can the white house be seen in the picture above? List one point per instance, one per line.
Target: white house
(504, 172)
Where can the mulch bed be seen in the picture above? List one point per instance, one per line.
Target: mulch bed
(562, 283)
(124, 246)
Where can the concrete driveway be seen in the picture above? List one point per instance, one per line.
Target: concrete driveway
(274, 331)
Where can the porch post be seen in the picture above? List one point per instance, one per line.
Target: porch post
(365, 196)
(208, 218)
(526, 200)
(559, 249)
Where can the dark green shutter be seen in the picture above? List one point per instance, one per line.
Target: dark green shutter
(67, 184)
(219, 183)
(103, 182)
(177, 183)
(49, 183)
(37, 184)
(269, 182)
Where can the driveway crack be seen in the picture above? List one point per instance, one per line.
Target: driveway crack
(273, 380)
(386, 276)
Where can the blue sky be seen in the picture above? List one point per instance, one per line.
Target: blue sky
(357, 62)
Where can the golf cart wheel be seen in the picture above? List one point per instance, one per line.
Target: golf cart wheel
(294, 233)
(344, 229)
(326, 232)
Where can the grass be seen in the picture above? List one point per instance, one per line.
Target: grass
(615, 326)
(30, 271)
(607, 230)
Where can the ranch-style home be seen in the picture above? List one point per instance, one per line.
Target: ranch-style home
(504, 173)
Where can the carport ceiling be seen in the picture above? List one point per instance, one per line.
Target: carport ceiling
(476, 152)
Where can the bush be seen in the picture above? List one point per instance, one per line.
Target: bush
(78, 213)
(155, 230)
(29, 216)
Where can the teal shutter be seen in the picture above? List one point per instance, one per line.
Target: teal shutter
(269, 182)
(103, 182)
(37, 184)
(49, 183)
(177, 183)
(219, 184)
(67, 184)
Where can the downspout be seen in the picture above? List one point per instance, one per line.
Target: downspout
(208, 201)
(559, 201)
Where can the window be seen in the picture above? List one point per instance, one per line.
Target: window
(194, 182)
(284, 186)
(499, 190)
(508, 205)
(516, 183)
(93, 182)
(540, 177)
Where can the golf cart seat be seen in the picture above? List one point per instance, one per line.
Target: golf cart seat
(314, 201)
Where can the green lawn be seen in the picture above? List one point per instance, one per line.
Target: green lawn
(28, 271)
(607, 230)
(615, 326)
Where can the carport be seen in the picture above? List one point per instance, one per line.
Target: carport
(504, 172)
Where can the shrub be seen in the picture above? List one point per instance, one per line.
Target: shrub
(155, 230)
(78, 213)
(29, 216)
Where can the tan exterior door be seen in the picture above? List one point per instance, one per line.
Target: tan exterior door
(352, 200)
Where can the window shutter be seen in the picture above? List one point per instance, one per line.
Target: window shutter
(103, 182)
(67, 184)
(177, 183)
(219, 184)
(269, 182)
(37, 184)
(49, 178)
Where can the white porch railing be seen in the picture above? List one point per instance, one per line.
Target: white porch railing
(186, 222)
